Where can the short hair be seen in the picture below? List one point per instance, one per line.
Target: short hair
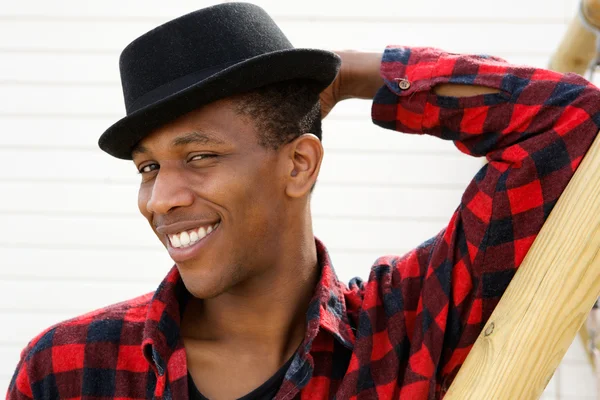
(282, 111)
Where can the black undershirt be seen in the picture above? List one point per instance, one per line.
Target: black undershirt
(266, 391)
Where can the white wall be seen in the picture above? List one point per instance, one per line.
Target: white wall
(71, 238)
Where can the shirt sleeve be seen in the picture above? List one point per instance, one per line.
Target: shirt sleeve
(534, 133)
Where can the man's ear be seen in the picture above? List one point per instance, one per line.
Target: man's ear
(305, 155)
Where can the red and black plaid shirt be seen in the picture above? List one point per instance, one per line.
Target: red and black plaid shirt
(407, 330)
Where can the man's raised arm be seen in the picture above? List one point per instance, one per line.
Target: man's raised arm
(533, 126)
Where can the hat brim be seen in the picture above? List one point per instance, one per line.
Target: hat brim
(318, 65)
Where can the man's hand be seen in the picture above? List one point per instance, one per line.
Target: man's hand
(358, 79)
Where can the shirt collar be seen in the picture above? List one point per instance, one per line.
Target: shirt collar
(327, 310)
(161, 329)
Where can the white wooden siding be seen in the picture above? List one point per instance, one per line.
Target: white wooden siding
(63, 201)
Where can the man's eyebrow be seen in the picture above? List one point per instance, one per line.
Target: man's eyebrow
(197, 138)
(138, 149)
(188, 138)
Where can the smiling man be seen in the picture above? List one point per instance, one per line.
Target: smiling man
(224, 125)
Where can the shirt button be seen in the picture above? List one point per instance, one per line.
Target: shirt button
(403, 84)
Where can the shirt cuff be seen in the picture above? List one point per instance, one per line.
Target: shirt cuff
(406, 70)
(408, 75)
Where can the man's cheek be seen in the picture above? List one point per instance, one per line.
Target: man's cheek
(143, 196)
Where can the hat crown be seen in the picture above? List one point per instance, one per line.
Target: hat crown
(195, 45)
(201, 57)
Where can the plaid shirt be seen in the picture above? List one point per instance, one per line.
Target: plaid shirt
(407, 330)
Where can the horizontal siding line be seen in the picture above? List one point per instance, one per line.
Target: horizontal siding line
(36, 311)
(81, 116)
(328, 150)
(87, 246)
(71, 214)
(101, 280)
(157, 248)
(17, 346)
(8, 344)
(507, 54)
(106, 181)
(576, 362)
(42, 50)
(60, 83)
(47, 148)
(308, 18)
(131, 182)
(122, 215)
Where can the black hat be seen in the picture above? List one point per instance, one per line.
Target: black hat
(201, 57)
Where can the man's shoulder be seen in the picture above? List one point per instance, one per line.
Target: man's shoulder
(391, 275)
(120, 323)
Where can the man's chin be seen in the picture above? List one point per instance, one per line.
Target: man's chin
(203, 282)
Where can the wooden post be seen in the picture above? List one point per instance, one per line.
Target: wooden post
(558, 282)
(576, 50)
(574, 54)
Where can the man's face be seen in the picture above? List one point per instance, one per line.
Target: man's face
(213, 196)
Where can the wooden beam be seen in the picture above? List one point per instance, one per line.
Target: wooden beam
(576, 50)
(575, 53)
(558, 282)
(578, 46)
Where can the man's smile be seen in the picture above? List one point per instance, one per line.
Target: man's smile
(184, 239)
(187, 238)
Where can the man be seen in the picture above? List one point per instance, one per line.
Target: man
(224, 127)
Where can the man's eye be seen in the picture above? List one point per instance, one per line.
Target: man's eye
(198, 157)
(148, 168)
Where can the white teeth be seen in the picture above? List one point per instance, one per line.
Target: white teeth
(184, 238)
(175, 241)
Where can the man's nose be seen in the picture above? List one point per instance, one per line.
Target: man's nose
(169, 192)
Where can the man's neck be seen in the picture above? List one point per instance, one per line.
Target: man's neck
(266, 314)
